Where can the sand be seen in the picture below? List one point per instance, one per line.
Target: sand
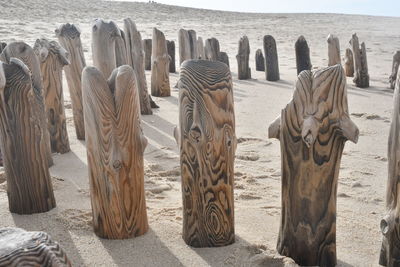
(363, 173)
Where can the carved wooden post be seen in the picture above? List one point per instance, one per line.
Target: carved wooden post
(390, 226)
(242, 58)
(303, 60)
(193, 44)
(211, 49)
(349, 63)
(207, 146)
(312, 130)
(200, 48)
(69, 38)
(271, 59)
(395, 67)
(184, 46)
(223, 57)
(115, 145)
(333, 50)
(361, 77)
(26, 54)
(21, 248)
(121, 54)
(53, 58)
(23, 143)
(160, 66)
(134, 46)
(171, 53)
(147, 53)
(260, 63)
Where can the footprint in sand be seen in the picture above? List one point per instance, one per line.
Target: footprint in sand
(76, 219)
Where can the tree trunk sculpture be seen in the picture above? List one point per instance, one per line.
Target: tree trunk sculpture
(333, 50)
(361, 77)
(271, 59)
(160, 66)
(303, 60)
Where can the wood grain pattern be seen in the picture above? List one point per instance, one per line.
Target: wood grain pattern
(333, 50)
(224, 58)
(259, 59)
(147, 53)
(349, 63)
(115, 146)
(211, 49)
(271, 59)
(207, 148)
(361, 76)
(121, 55)
(303, 61)
(312, 130)
(171, 53)
(21, 248)
(53, 58)
(160, 66)
(184, 46)
(69, 37)
(23, 144)
(395, 67)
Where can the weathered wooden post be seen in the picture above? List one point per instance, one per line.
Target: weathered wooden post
(223, 57)
(22, 135)
(303, 60)
(349, 63)
(2, 46)
(160, 66)
(136, 59)
(312, 131)
(21, 248)
(193, 44)
(200, 48)
(121, 54)
(244, 71)
(53, 58)
(184, 46)
(147, 53)
(395, 67)
(333, 50)
(171, 53)
(69, 38)
(207, 145)
(115, 145)
(361, 77)
(271, 59)
(260, 63)
(211, 49)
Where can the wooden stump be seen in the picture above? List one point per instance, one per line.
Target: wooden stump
(303, 60)
(223, 57)
(395, 67)
(242, 58)
(53, 58)
(147, 53)
(160, 66)
(361, 77)
(390, 226)
(260, 63)
(25, 53)
(104, 35)
(184, 46)
(333, 50)
(23, 143)
(115, 145)
(193, 44)
(171, 53)
(211, 49)
(207, 146)
(200, 48)
(349, 63)
(271, 59)
(21, 248)
(134, 46)
(312, 130)
(121, 54)
(69, 38)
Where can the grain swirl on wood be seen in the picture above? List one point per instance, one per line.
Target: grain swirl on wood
(159, 65)
(207, 148)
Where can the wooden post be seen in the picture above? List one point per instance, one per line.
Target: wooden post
(134, 46)
(333, 50)
(115, 145)
(361, 77)
(211, 49)
(171, 53)
(184, 46)
(271, 59)
(349, 63)
(193, 44)
(147, 53)
(260, 63)
(53, 58)
(160, 66)
(223, 57)
(244, 71)
(2, 46)
(207, 145)
(25, 53)
(303, 60)
(312, 130)
(121, 54)
(22, 135)
(390, 226)
(69, 38)
(200, 48)
(21, 248)
(395, 67)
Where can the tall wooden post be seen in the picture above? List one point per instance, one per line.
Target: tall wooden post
(312, 130)
(115, 145)
(211, 49)
(193, 44)
(395, 67)
(260, 63)
(361, 76)
(303, 60)
(333, 50)
(160, 66)
(271, 59)
(147, 53)
(349, 63)
(121, 54)
(243, 57)
(171, 53)
(184, 46)
(207, 146)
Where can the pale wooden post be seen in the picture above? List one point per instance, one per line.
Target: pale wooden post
(395, 67)
(184, 46)
(349, 63)
(242, 58)
(333, 50)
(160, 66)
(361, 76)
(211, 49)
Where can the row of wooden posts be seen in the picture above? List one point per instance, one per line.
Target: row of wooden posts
(108, 98)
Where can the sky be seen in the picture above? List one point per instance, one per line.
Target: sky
(364, 7)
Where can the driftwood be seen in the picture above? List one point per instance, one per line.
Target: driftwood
(160, 66)
(121, 54)
(115, 145)
(260, 63)
(25, 53)
(211, 49)
(223, 57)
(171, 53)
(21, 248)
(200, 48)
(52, 59)
(193, 44)
(271, 59)
(361, 77)
(333, 50)
(303, 60)
(243, 56)
(147, 53)
(395, 67)
(184, 46)
(207, 145)
(312, 130)
(136, 59)
(22, 135)
(69, 38)
(349, 63)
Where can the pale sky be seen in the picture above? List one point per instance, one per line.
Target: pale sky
(365, 7)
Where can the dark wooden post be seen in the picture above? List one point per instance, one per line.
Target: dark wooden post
(303, 60)
(147, 53)
(171, 53)
(349, 63)
(242, 57)
(223, 57)
(260, 63)
(193, 44)
(361, 76)
(333, 50)
(271, 59)
(160, 66)
(395, 67)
